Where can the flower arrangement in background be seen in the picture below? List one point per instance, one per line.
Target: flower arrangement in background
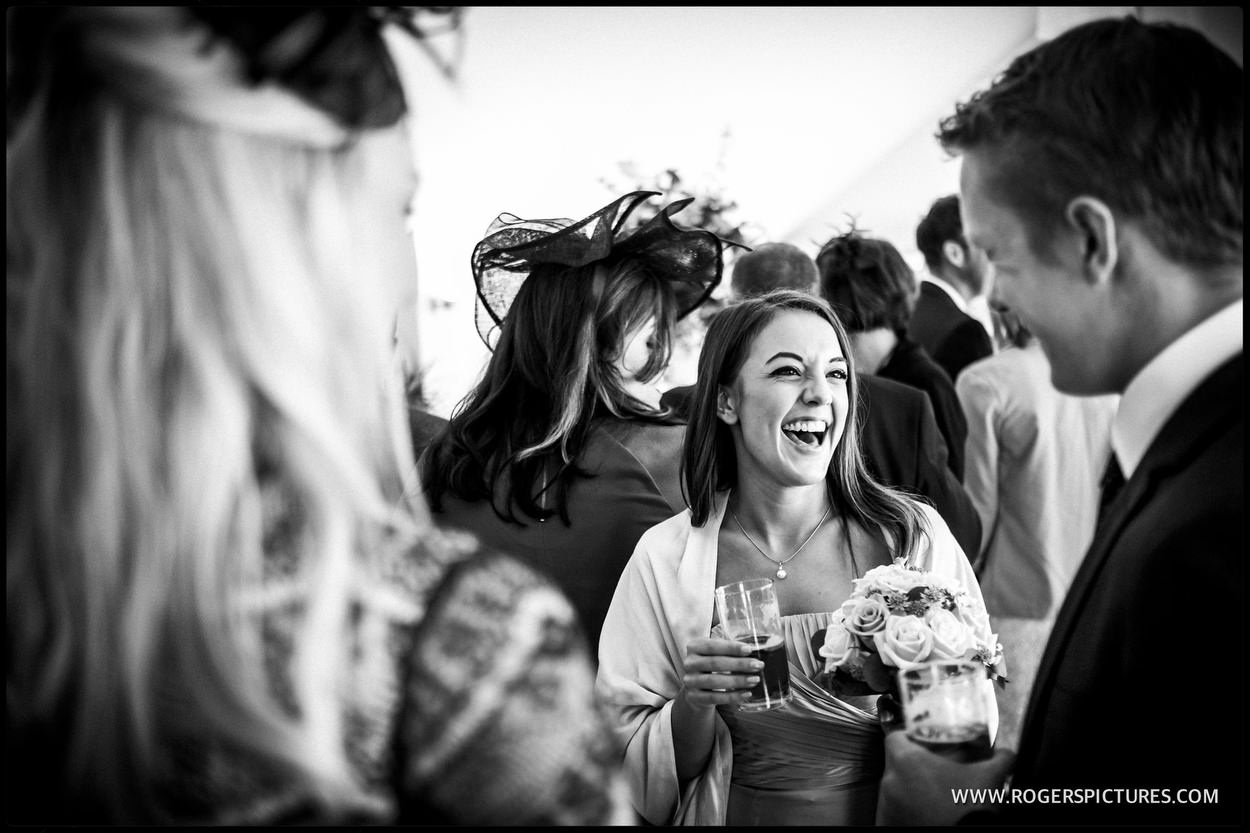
(899, 617)
(710, 209)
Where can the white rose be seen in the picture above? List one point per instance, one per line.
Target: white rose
(839, 643)
(974, 616)
(952, 639)
(864, 617)
(888, 578)
(906, 641)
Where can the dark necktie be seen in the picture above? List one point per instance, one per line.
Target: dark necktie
(1112, 482)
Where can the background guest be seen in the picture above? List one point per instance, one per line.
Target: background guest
(562, 453)
(903, 448)
(1033, 462)
(219, 605)
(942, 322)
(772, 266)
(1103, 174)
(871, 288)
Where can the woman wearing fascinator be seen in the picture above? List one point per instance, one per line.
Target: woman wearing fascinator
(562, 453)
(225, 601)
(777, 490)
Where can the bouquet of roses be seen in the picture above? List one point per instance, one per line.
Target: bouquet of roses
(899, 617)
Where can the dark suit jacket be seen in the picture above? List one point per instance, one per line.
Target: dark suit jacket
(912, 365)
(1142, 684)
(951, 336)
(903, 448)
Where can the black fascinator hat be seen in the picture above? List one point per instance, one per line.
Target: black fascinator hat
(692, 259)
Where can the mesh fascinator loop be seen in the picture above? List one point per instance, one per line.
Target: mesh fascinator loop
(692, 259)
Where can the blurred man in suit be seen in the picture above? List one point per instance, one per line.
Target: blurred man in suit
(1103, 176)
(941, 321)
(900, 438)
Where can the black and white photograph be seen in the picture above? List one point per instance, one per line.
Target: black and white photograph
(624, 416)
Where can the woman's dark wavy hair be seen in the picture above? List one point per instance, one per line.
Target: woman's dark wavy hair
(867, 282)
(520, 431)
(710, 462)
(1147, 117)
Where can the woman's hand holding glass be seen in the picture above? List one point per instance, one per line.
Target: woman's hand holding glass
(719, 671)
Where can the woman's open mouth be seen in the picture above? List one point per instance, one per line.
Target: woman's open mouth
(806, 432)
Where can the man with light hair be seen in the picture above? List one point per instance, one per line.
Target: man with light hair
(1103, 176)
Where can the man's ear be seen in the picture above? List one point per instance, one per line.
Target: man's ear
(1094, 223)
(726, 411)
(955, 254)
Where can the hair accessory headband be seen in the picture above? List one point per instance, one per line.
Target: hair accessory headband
(693, 259)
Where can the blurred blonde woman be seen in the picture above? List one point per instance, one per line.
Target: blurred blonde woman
(223, 604)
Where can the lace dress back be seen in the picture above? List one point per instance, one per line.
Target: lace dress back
(468, 700)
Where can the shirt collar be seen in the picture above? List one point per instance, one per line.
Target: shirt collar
(1158, 389)
(949, 290)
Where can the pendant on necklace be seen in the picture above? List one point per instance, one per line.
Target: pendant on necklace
(781, 571)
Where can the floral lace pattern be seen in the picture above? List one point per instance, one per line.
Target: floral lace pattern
(481, 708)
(465, 696)
(501, 720)
(470, 700)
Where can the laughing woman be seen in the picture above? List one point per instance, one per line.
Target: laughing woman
(777, 489)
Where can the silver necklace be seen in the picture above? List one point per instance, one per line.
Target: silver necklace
(781, 570)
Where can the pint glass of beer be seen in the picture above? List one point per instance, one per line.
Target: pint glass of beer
(749, 613)
(945, 708)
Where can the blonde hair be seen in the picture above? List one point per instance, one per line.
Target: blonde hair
(194, 327)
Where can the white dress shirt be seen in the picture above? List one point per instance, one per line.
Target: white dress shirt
(1161, 386)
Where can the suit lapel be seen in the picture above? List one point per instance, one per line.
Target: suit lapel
(1207, 409)
(939, 299)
